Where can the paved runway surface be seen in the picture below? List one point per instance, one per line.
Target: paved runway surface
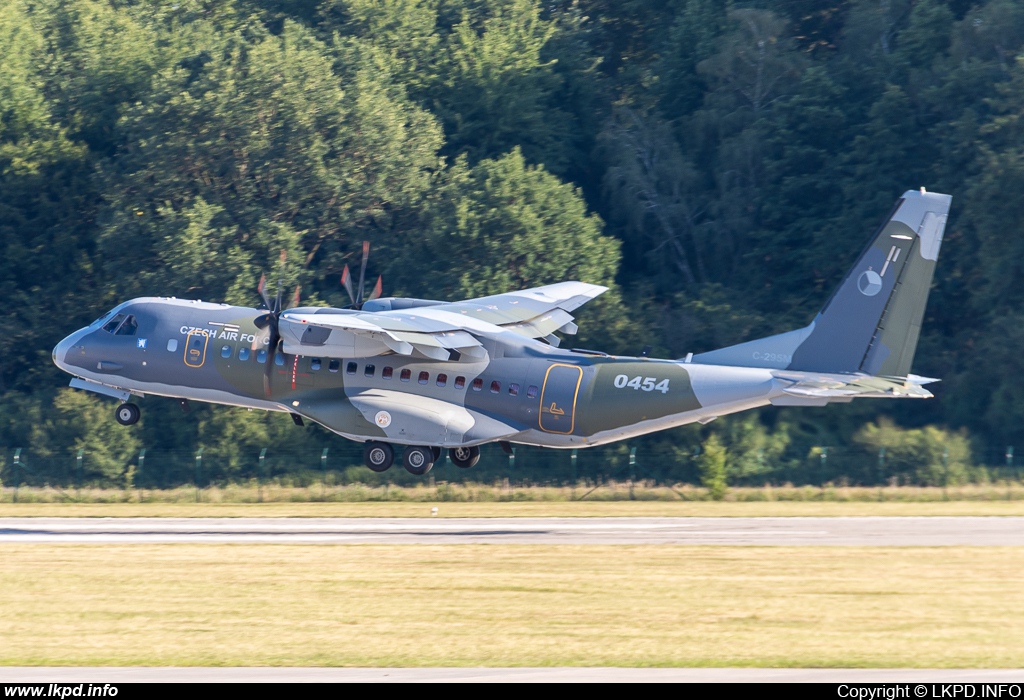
(878, 531)
(505, 675)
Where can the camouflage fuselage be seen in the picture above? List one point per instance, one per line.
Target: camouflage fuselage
(525, 391)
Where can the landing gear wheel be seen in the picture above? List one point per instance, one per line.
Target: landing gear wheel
(378, 456)
(127, 414)
(464, 457)
(418, 460)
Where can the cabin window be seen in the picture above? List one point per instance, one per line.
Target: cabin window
(532, 391)
(261, 356)
(335, 364)
(279, 359)
(478, 384)
(350, 368)
(370, 370)
(314, 364)
(387, 373)
(243, 354)
(495, 386)
(442, 379)
(406, 375)
(460, 382)
(111, 325)
(172, 345)
(513, 389)
(225, 351)
(424, 377)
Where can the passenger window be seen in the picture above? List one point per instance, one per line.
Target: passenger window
(424, 377)
(442, 379)
(225, 351)
(128, 327)
(172, 345)
(370, 370)
(261, 356)
(111, 325)
(460, 382)
(335, 364)
(279, 359)
(314, 364)
(513, 389)
(387, 373)
(478, 384)
(495, 386)
(531, 392)
(406, 375)
(243, 354)
(350, 368)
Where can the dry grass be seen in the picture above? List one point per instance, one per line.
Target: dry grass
(511, 606)
(481, 500)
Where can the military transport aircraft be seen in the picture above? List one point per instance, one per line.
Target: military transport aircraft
(432, 375)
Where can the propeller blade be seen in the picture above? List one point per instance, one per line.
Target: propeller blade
(362, 274)
(277, 301)
(261, 288)
(378, 289)
(269, 369)
(295, 297)
(261, 337)
(346, 282)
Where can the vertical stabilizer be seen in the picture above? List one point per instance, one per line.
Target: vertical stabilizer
(873, 320)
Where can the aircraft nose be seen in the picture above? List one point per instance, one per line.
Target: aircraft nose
(60, 352)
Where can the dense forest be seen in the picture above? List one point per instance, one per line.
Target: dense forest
(718, 164)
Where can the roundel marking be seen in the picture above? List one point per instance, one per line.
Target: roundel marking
(383, 419)
(869, 283)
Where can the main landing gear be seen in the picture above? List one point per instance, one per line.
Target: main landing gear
(417, 460)
(127, 414)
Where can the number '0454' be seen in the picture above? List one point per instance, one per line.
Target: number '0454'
(623, 381)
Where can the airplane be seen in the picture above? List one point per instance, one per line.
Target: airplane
(428, 375)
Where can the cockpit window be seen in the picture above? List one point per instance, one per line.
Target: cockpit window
(127, 327)
(113, 323)
(100, 320)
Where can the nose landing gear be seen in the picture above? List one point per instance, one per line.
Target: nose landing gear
(127, 414)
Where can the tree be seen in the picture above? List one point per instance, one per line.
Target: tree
(712, 466)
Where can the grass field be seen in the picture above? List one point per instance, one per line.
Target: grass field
(468, 605)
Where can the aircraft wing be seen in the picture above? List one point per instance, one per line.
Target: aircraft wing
(444, 331)
(367, 334)
(535, 313)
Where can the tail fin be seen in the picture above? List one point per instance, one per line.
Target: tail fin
(872, 321)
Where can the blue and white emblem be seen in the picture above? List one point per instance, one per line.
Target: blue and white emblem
(142, 343)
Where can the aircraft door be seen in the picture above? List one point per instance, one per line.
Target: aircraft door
(558, 398)
(195, 348)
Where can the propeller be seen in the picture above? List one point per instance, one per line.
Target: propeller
(356, 295)
(268, 324)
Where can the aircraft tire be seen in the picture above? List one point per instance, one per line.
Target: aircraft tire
(418, 460)
(464, 457)
(378, 456)
(127, 414)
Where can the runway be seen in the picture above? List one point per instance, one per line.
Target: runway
(28, 674)
(852, 531)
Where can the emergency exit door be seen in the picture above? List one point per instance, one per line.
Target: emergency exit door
(558, 398)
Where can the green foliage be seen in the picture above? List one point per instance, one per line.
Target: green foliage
(716, 164)
(928, 456)
(712, 463)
